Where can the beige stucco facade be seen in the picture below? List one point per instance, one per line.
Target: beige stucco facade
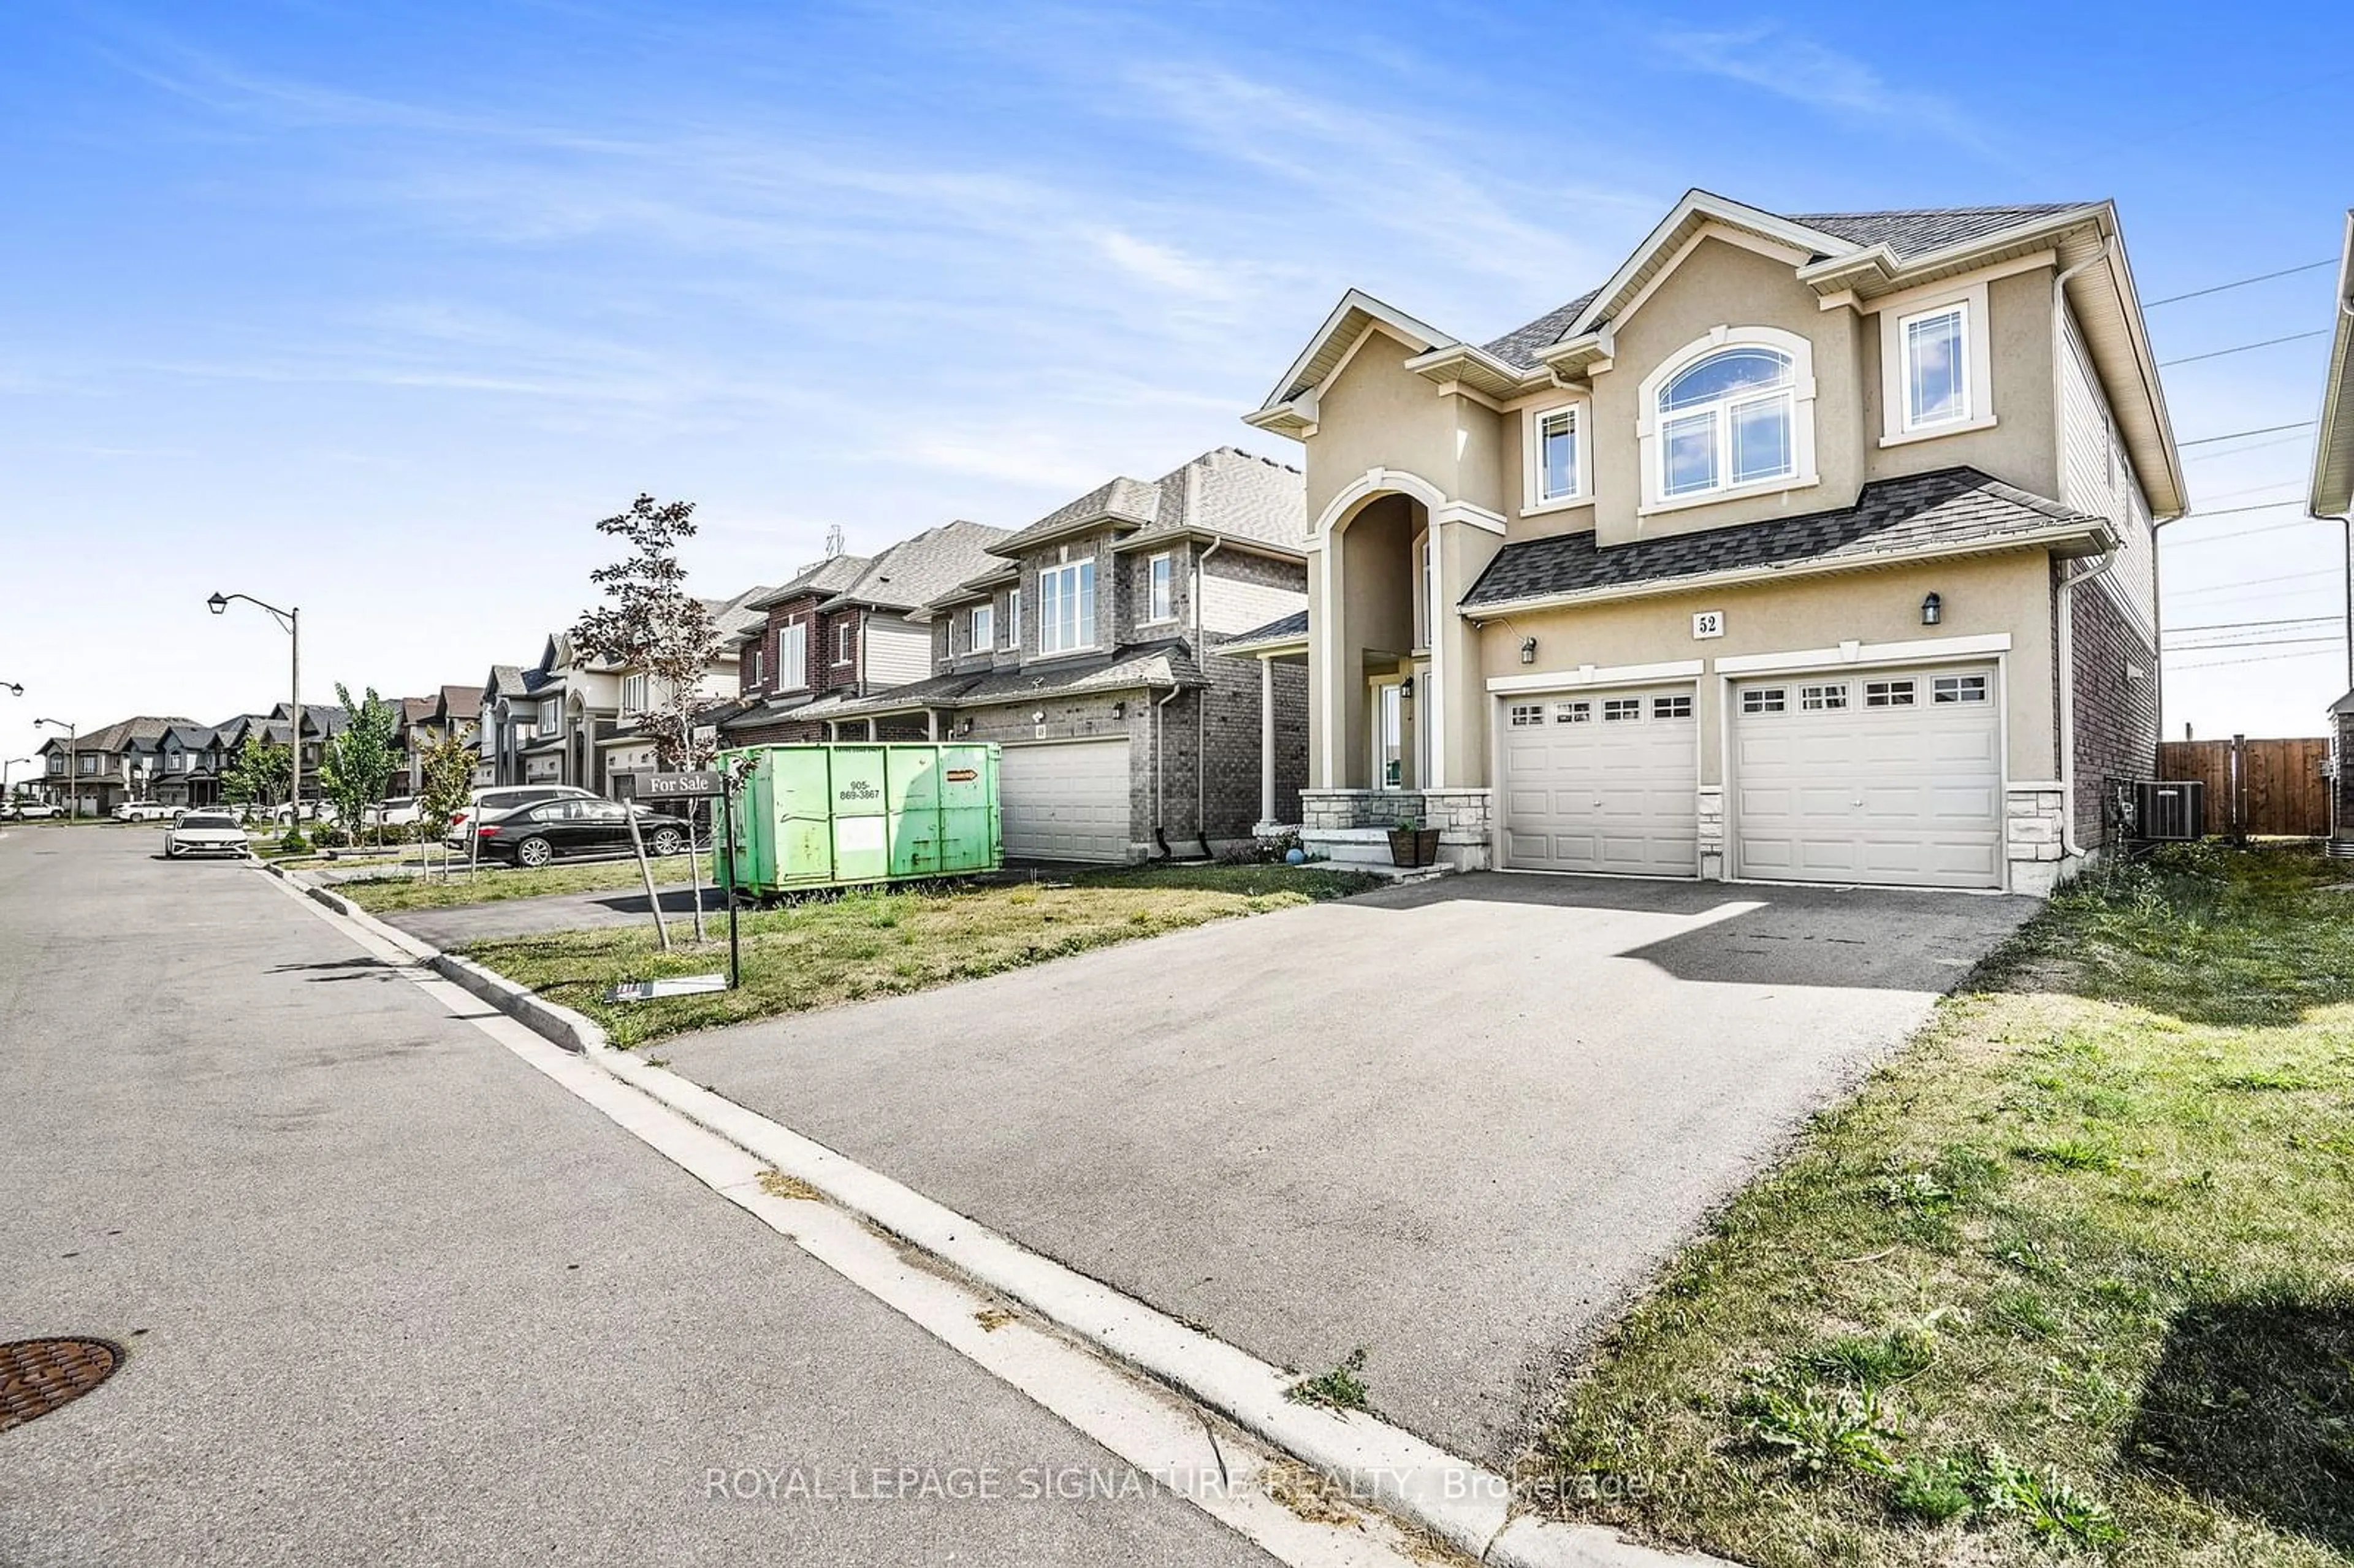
(1417, 481)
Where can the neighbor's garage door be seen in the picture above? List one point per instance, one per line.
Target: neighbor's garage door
(1065, 802)
(1602, 782)
(1888, 775)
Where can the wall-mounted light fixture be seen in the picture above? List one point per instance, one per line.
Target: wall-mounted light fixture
(1406, 688)
(1932, 610)
(1038, 717)
(1119, 710)
(1528, 650)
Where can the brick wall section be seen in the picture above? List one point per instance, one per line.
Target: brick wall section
(2115, 708)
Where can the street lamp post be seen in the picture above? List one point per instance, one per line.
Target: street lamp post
(6, 764)
(73, 759)
(15, 688)
(291, 622)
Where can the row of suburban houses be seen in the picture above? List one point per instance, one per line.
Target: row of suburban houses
(1816, 547)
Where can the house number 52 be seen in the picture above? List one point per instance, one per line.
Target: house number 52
(1709, 623)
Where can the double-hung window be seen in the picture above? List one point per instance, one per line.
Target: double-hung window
(845, 640)
(1159, 598)
(981, 633)
(1066, 607)
(1557, 438)
(760, 666)
(1013, 618)
(1935, 349)
(793, 655)
(1727, 421)
(633, 692)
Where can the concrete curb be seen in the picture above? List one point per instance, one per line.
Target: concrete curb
(1467, 1505)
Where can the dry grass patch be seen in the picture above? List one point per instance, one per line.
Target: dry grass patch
(494, 884)
(2072, 1276)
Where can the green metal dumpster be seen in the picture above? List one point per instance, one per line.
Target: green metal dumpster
(822, 816)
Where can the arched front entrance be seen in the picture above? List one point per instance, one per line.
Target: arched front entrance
(1383, 578)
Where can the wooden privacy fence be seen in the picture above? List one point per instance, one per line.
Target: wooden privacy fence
(2255, 787)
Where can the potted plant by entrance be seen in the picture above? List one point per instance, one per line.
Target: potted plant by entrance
(1411, 845)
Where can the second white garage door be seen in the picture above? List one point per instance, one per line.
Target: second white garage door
(1065, 802)
(1602, 782)
(1883, 776)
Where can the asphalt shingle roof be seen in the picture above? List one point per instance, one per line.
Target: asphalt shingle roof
(1909, 233)
(914, 571)
(830, 576)
(1225, 491)
(1292, 625)
(1948, 508)
(1163, 663)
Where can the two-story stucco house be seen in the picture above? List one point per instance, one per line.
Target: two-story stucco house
(845, 629)
(1084, 648)
(1818, 548)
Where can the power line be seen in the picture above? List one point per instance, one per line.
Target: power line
(2259, 430)
(2243, 451)
(2243, 348)
(2238, 625)
(2236, 510)
(2238, 283)
(2328, 652)
(2234, 537)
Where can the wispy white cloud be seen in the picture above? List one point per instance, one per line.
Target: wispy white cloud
(1773, 59)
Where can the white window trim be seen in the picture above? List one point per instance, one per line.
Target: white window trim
(1013, 619)
(976, 640)
(1534, 502)
(1978, 358)
(1802, 417)
(792, 635)
(1071, 570)
(845, 644)
(1156, 615)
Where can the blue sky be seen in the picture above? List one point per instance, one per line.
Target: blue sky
(374, 308)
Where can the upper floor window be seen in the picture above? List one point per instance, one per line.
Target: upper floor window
(634, 689)
(549, 711)
(983, 628)
(1066, 607)
(1727, 421)
(1557, 460)
(1936, 346)
(89, 763)
(56, 762)
(845, 641)
(760, 666)
(1733, 414)
(793, 655)
(1160, 600)
(1013, 618)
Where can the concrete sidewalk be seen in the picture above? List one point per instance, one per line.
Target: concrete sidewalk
(1458, 1123)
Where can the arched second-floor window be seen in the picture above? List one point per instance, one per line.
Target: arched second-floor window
(1732, 413)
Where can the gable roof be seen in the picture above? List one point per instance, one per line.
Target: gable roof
(1948, 511)
(731, 617)
(462, 702)
(912, 571)
(144, 730)
(830, 576)
(1844, 257)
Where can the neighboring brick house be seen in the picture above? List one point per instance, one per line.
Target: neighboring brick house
(846, 629)
(96, 772)
(1086, 651)
(453, 709)
(1813, 549)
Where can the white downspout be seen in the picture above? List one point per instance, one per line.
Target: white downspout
(2064, 631)
(1202, 703)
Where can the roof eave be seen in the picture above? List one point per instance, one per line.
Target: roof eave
(1305, 368)
(2089, 537)
(2331, 492)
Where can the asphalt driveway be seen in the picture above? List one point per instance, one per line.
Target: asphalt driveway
(1458, 1123)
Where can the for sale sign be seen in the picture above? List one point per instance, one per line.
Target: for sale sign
(682, 786)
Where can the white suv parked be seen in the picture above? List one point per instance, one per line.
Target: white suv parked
(146, 812)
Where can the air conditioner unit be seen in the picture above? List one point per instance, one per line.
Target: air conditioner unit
(2160, 810)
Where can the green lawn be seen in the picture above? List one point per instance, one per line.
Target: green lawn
(2072, 1276)
(823, 951)
(493, 885)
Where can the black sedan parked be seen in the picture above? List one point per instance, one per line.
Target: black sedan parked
(551, 829)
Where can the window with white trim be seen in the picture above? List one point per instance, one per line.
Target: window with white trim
(1935, 348)
(845, 641)
(633, 692)
(1958, 689)
(793, 655)
(1616, 710)
(1727, 421)
(1572, 713)
(1555, 439)
(1527, 713)
(1013, 618)
(1888, 694)
(760, 666)
(980, 628)
(1160, 593)
(550, 713)
(1764, 700)
(1672, 707)
(1066, 607)
(1827, 698)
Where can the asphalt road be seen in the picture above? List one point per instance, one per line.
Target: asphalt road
(1458, 1123)
(392, 1296)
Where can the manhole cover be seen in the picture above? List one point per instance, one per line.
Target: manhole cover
(39, 1375)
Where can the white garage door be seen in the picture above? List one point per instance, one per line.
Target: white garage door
(1065, 802)
(1882, 776)
(1603, 782)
